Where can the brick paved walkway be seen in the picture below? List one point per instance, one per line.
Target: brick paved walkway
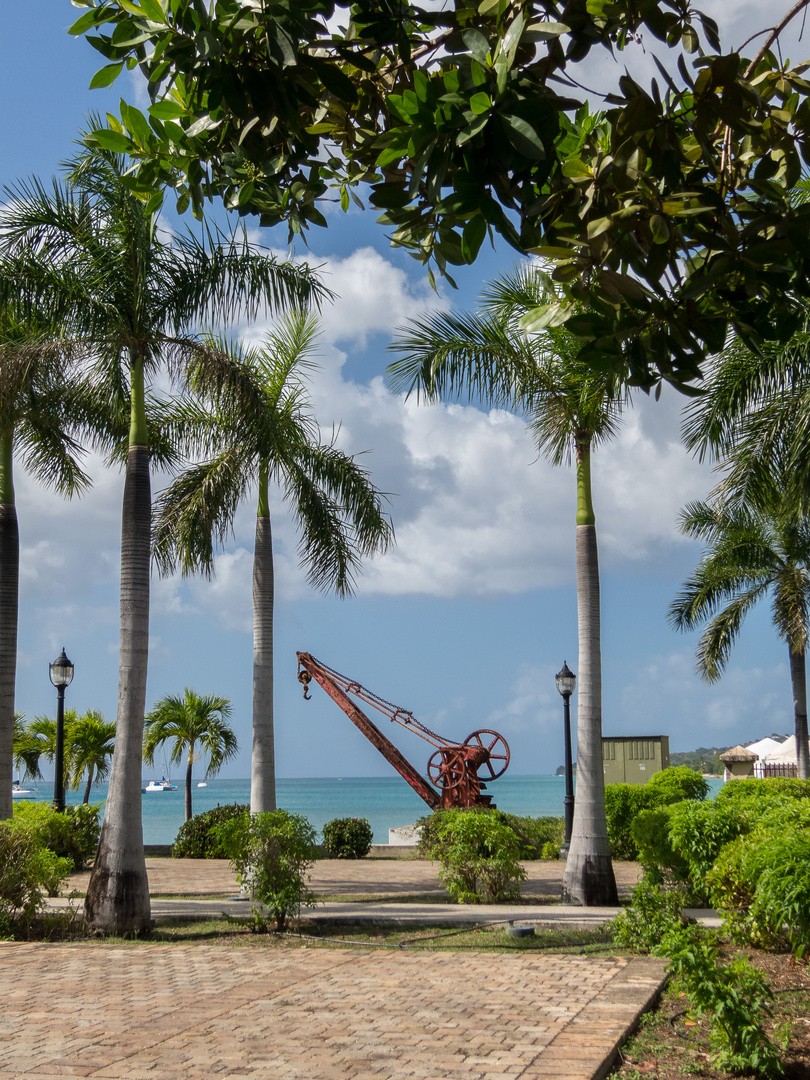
(188, 1012)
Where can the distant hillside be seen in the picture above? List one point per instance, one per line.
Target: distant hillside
(703, 760)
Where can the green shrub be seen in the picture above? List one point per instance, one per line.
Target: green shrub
(761, 882)
(197, 837)
(479, 857)
(678, 844)
(550, 852)
(734, 997)
(272, 853)
(675, 785)
(624, 802)
(347, 838)
(533, 834)
(29, 871)
(539, 835)
(72, 834)
(751, 796)
(653, 912)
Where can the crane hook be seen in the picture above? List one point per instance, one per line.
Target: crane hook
(305, 679)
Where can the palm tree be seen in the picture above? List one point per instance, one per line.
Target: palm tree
(35, 388)
(185, 722)
(754, 549)
(264, 430)
(571, 409)
(90, 742)
(90, 255)
(38, 740)
(26, 752)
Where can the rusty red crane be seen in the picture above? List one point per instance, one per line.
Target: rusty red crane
(453, 767)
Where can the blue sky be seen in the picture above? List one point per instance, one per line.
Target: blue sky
(466, 621)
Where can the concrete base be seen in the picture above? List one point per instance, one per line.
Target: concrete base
(404, 835)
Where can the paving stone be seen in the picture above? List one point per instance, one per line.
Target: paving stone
(185, 1011)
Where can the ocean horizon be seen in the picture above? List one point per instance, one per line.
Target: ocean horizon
(386, 801)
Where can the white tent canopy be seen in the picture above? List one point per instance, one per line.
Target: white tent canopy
(765, 747)
(786, 754)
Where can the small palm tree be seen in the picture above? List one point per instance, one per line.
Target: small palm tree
(262, 431)
(187, 722)
(570, 408)
(90, 743)
(754, 550)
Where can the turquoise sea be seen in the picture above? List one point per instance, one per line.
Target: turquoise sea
(387, 801)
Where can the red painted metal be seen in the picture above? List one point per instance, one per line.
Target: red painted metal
(453, 767)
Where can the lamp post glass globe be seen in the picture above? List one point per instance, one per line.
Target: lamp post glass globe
(61, 670)
(61, 673)
(566, 680)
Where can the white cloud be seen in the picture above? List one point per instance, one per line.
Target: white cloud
(748, 703)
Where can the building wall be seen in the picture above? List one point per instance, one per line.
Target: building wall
(634, 759)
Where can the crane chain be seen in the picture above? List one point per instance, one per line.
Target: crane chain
(394, 712)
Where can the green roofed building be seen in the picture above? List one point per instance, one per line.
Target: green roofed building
(632, 759)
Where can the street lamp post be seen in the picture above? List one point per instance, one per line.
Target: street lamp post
(61, 672)
(566, 680)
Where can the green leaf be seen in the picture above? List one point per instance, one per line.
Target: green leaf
(106, 76)
(153, 10)
(85, 23)
(472, 238)
(546, 315)
(477, 44)
(167, 109)
(659, 229)
(599, 226)
(546, 31)
(136, 124)
(112, 140)
(480, 103)
(523, 137)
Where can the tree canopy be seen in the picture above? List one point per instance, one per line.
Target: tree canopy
(670, 214)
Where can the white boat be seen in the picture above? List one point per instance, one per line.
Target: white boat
(202, 783)
(20, 792)
(159, 785)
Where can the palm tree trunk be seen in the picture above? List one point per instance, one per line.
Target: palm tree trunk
(89, 785)
(117, 900)
(798, 678)
(263, 760)
(589, 878)
(9, 602)
(189, 763)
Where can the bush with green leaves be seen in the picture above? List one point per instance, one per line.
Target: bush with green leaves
(761, 882)
(71, 834)
(29, 871)
(347, 838)
(540, 835)
(271, 853)
(624, 802)
(675, 785)
(479, 856)
(197, 837)
(653, 912)
(678, 844)
(751, 796)
(533, 834)
(735, 998)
